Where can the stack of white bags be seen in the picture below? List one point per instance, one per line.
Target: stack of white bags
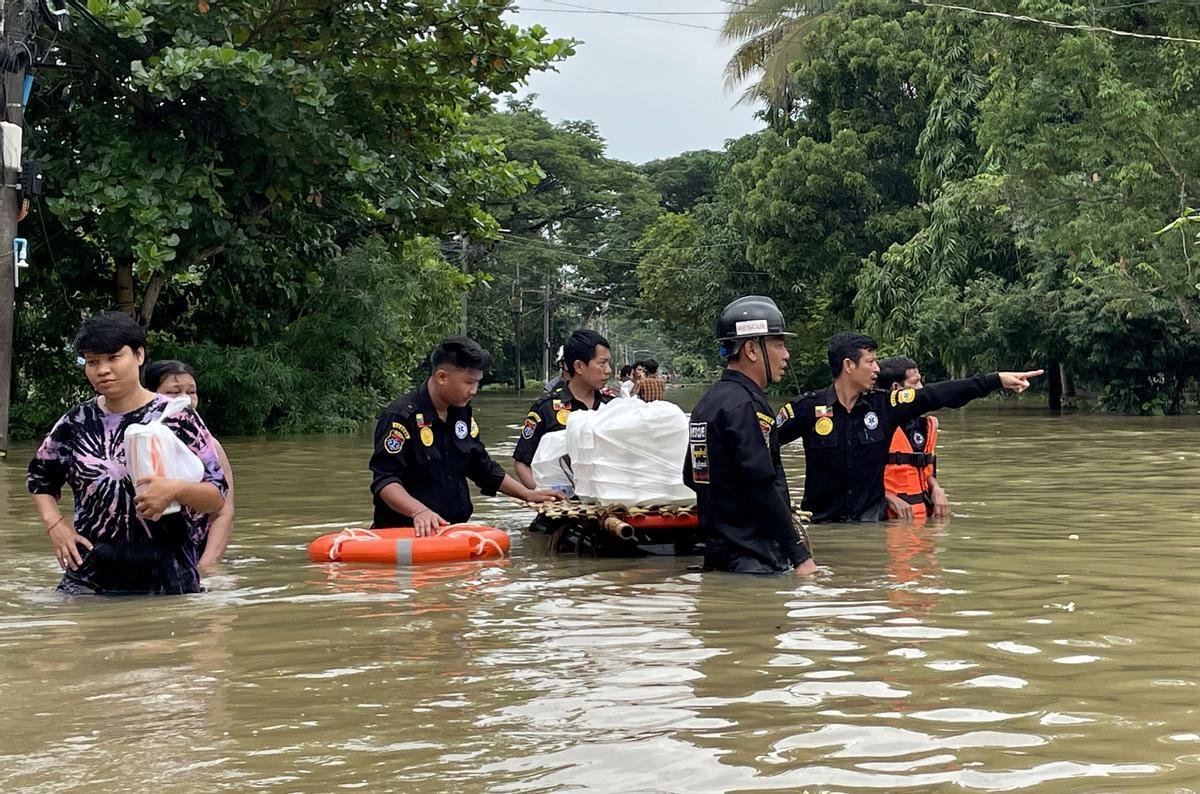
(626, 451)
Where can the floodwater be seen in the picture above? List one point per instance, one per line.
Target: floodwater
(1046, 638)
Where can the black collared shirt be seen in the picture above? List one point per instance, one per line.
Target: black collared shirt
(431, 458)
(734, 467)
(845, 452)
(548, 414)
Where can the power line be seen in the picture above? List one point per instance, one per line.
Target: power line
(589, 249)
(556, 249)
(1057, 25)
(631, 15)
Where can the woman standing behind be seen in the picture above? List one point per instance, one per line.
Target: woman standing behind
(173, 378)
(118, 542)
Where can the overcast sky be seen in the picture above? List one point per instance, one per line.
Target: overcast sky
(654, 89)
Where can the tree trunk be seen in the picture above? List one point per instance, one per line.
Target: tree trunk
(150, 298)
(125, 302)
(1055, 381)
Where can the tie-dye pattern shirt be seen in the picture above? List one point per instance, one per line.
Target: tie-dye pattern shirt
(86, 451)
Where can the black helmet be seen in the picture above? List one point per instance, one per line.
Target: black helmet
(748, 317)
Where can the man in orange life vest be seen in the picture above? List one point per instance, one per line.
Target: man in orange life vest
(910, 484)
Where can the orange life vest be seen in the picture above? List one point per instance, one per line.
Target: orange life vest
(908, 470)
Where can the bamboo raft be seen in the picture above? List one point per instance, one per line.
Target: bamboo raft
(618, 530)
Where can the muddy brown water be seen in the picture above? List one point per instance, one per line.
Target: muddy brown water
(1045, 638)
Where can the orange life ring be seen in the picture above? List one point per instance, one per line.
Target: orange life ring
(401, 546)
(685, 521)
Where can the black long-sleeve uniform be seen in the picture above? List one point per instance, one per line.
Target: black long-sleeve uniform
(845, 452)
(431, 458)
(734, 467)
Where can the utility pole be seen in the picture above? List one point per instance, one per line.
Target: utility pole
(15, 34)
(464, 263)
(515, 304)
(546, 333)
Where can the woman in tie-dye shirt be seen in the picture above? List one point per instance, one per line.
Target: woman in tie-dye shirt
(119, 542)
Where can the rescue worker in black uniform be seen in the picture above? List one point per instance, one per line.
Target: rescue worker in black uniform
(587, 358)
(847, 427)
(733, 461)
(427, 446)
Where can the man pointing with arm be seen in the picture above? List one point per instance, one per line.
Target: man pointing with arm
(846, 428)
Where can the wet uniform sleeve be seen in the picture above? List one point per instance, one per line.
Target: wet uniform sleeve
(907, 403)
(47, 472)
(756, 469)
(391, 454)
(530, 436)
(191, 430)
(790, 421)
(481, 469)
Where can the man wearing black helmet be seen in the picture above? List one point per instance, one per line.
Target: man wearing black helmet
(733, 461)
(847, 427)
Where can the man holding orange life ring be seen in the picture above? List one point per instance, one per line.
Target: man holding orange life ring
(910, 485)
(427, 446)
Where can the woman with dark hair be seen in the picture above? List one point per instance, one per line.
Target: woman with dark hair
(118, 541)
(173, 378)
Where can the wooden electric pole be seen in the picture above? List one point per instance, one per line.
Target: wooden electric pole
(15, 34)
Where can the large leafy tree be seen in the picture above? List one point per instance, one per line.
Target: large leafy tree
(251, 177)
(1052, 159)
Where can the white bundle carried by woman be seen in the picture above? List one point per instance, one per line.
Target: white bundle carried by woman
(153, 449)
(631, 452)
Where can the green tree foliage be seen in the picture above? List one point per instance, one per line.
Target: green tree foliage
(219, 170)
(571, 235)
(771, 36)
(1050, 160)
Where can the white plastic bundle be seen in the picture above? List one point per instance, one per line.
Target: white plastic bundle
(629, 451)
(153, 449)
(551, 466)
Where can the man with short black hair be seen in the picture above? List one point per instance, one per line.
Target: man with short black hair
(427, 446)
(587, 358)
(846, 427)
(650, 387)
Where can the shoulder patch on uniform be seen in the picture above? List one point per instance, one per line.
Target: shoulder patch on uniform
(785, 413)
(394, 441)
(903, 396)
(698, 451)
(474, 428)
(531, 423)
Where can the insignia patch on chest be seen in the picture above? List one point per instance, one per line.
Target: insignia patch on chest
(919, 439)
(824, 426)
(562, 415)
(427, 436)
(460, 429)
(822, 411)
(871, 420)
